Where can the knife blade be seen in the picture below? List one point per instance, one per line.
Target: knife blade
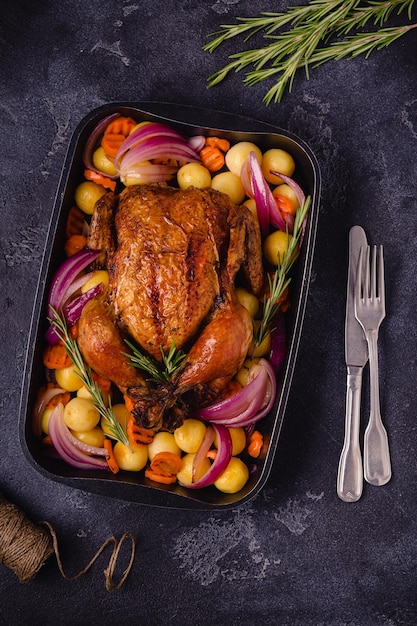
(350, 471)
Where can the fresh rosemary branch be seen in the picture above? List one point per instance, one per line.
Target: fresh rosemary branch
(114, 429)
(158, 371)
(315, 36)
(281, 280)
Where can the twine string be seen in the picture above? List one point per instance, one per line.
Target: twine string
(25, 547)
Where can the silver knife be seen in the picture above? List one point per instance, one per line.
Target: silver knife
(350, 473)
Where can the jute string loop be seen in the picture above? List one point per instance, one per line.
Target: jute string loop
(25, 547)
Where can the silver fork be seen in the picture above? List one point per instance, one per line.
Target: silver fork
(370, 311)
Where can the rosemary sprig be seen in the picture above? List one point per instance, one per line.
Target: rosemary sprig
(315, 37)
(159, 372)
(281, 280)
(114, 429)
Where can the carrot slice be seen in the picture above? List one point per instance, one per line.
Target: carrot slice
(158, 478)
(255, 444)
(115, 134)
(62, 398)
(111, 143)
(75, 222)
(136, 434)
(218, 142)
(55, 357)
(166, 463)
(284, 204)
(110, 458)
(121, 126)
(100, 179)
(74, 244)
(212, 158)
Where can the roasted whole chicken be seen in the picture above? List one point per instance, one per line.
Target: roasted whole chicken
(173, 259)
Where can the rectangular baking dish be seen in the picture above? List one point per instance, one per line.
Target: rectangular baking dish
(134, 486)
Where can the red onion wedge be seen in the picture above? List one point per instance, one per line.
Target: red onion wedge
(224, 454)
(93, 142)
(197, 142)
(73, 452)
(72, 311)
(62, 285)
(250, 404)
(150, 141)
(294, 186)
(256, 187)
(40, 405)
(278, 343)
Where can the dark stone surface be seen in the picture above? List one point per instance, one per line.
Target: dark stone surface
(296, 555)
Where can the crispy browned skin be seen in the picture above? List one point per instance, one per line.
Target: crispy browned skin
(172, 258)
(102, 345)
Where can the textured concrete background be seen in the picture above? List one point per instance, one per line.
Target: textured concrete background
(296, 555)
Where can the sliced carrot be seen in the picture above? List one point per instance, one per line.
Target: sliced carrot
(218, 142)
(115, 134)
(55, 357)
(212, 158)
(255, 444)
(62, 398)
(75, 222)
(111, 143)
(166, 463)
(285, 205)
(47, 441)
(211, 454)
(129, 403)
(74, 244)
(121, 126)
(110, 458)
(158, 478)
(100, 179)
(136, 434)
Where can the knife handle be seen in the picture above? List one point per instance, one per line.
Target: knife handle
(350, 474)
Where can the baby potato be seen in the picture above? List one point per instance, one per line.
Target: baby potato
(94, 437)
(287, 191)
(248, 300)
(234, 477)
(238, 437)
(251, 204)
(264, 347)
(68, 378)
(193, 175)
(99, 276)
(102, 162)
(237, 155)
(87, 194)
(279, 161)
(163, 442)
(121, 414)
(83, 392)
(189, 436)
(131, 459)
(80, 414)
(243, 373)
(185, 475)
(230, 184)
(275, 246)
(46, 414)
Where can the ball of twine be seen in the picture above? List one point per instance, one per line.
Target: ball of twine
(25, 547)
